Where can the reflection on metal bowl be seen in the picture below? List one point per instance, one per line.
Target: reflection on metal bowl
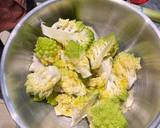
(135, 32)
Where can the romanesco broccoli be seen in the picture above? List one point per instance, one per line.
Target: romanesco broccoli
(123, 75)
(64, 106)
(52, 99)
(125, 65)
(82, 66)
(98, 82)
(66, 30)
(73, 50)
(79, 74)
(47, 50)
(103, 47)
(106, 114)
(71, 84)
(40, 83)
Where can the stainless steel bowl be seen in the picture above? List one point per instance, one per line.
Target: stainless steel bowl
(136, 33)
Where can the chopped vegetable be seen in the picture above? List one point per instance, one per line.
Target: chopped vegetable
(82, 75)
(82, 66)
(64, 64)
(64, 106)
(83, 105)
(98, 82)
(73, 49)
(106, 114)
(126, 65)
(46, 50)
(65, 30)
(40, 83)
(80, 102)
(115, 85)
(103, 47)
(71, 84)
(52, 99)
(106, 67)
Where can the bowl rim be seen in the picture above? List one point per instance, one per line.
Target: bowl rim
(154, 123)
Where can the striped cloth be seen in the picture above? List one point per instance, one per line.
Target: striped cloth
(154, 4)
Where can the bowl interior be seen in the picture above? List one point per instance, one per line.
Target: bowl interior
(135, 33)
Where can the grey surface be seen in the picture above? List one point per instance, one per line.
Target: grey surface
(5, 119)
(135, 32)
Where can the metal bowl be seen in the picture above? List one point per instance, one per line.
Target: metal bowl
(136, 33)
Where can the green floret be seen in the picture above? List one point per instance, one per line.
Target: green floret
(40, 84)
(125, 66)
(52, 99)
(87, 37)
(46, 50)
(71, 84)
(117, 87)
(103, 47)
(121, 98)
(80, 26)
(73, 50)
(64, 106)
(61, 64)
(82, 66)
(76, 54)
(125, 62)
(81, 101)
(106, 114)
(123, 95)
(65, 30)
(98, 82)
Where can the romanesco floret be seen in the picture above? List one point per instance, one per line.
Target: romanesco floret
(82, 66)
(118, 89)
(98, 82)
(79, 74)
(80, 102)
(76, 55)
(81, 105)
(125, 61)
(106, 67)
(73, 50)
(117, 86)
(61, 64)
(64, 106)
(47, 50)
(68, 25)
(123, 75)
(52, 99)
(40, 83)
(71, 84)
(125, 65)
(103, 47)
(106, 114)
(64, 62)
(66, 30)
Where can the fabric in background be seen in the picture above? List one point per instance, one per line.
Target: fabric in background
(10, 13)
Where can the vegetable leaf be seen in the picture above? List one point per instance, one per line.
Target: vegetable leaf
(52, 99)
(74, 50)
